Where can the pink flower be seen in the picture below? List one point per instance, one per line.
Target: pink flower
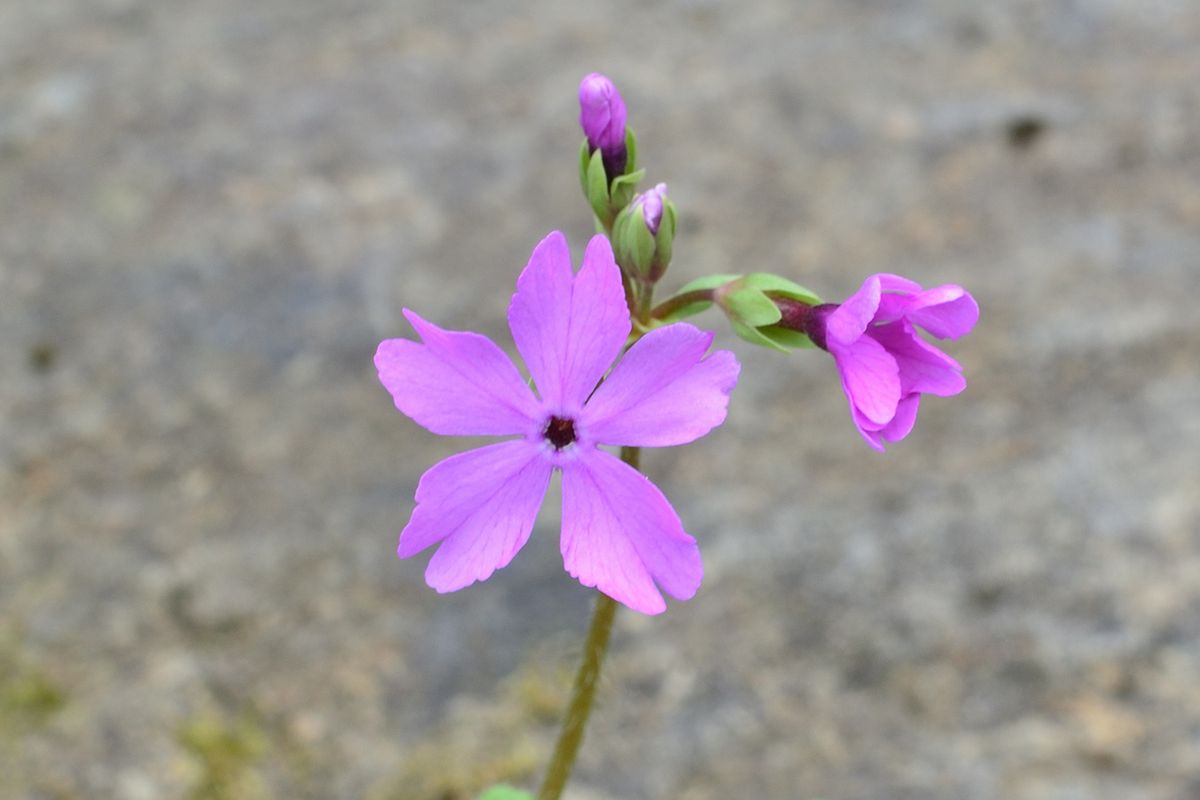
(884, 364)
(619, 533)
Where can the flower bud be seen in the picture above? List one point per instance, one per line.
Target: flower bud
(652, 206)
(643, 235)
(602, 117)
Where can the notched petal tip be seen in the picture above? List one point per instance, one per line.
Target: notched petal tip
(621, 535)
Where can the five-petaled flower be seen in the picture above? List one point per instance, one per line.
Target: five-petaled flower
(884, 363)
(619, 533)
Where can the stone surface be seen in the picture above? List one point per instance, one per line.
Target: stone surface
(212, 212)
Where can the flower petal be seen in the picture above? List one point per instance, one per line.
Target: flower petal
(889, 282)
(481, 506)
(455, 383)
(923, 367)
(569, 328)
(870, 378)
(848, 321)
(867, 429)
(894, 430)
(906, 416)
(621, 535)
(947, 312)
(664, 391)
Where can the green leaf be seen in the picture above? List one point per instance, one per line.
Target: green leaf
(777, 285)
(504, 793)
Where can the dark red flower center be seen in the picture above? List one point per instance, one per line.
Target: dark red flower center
(560, 432)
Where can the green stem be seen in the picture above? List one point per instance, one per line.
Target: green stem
(673, 304)
(582, 695)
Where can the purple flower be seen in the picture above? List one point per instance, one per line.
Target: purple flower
(602, 117)
(884, 364)
(619, 533)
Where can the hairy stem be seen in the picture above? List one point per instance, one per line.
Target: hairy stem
(582, 695)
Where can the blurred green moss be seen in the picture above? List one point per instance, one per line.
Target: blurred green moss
(226, 754)
(29, 696)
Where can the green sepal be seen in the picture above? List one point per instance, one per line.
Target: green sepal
(755, 336)
(597, 188)
(630, 151)
(665, 238)
(749, 306)
(781, 287)
(504, 793)
(585, 158)
(633, 245)
(624, 187)
(707, 282)
(787, 338)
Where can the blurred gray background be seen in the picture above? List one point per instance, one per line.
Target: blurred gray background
(211, 212)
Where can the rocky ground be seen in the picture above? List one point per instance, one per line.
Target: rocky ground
(211, 212)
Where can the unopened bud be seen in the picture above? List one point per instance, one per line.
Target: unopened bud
(643, 234)
(652, 206)
(602, 117)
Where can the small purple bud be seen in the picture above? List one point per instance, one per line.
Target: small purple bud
(651, 202)
(602, 115)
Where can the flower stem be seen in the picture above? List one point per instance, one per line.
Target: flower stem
(673, 304)
(582, 695)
